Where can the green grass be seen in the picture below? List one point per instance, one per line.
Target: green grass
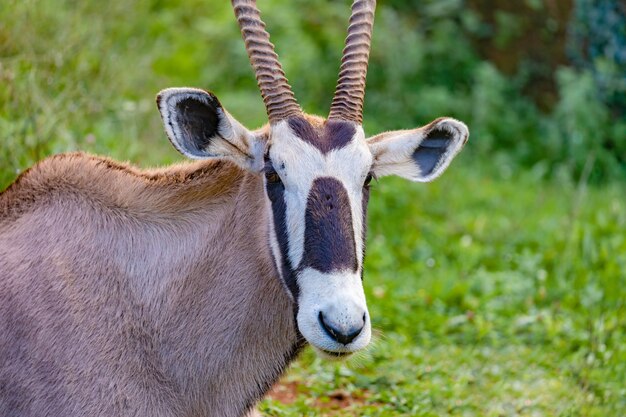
(493, 291)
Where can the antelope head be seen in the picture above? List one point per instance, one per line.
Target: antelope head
(316, 174)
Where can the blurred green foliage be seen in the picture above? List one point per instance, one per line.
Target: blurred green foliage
(499, 289)
(80, 75)
(598, 44)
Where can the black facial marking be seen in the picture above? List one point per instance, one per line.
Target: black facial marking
(328, 235)
(335, 135)
(364, 201)
(198, 122)
(432, 148)
(276, 194)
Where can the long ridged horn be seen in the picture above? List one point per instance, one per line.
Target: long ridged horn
(348, 100)
(279, 100)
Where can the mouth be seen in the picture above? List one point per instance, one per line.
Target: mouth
(327, 354)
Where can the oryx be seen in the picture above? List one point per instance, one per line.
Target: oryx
(187, 291)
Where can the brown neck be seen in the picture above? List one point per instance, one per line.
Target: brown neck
(243, 333)
(169, 279)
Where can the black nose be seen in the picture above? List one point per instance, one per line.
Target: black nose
(336, 332)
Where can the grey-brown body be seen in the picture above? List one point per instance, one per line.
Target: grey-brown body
(117, 299)
(187, 291)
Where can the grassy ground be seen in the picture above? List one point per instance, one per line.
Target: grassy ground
(494, 291)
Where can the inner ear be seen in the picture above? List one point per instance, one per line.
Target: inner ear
(431, 150)
(420, 154)
(195, 122)
(198, 123)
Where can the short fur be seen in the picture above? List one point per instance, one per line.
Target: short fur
(117, 300)
(329, 233)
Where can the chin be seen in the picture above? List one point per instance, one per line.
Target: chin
(332, 356)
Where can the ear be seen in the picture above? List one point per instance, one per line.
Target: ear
(200, 128)
(420, 154)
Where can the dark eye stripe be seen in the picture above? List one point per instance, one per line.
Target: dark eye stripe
(276, 194)
(364, 201)
(368, 180)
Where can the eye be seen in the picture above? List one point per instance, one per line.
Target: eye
(368, 180)
(272, 177)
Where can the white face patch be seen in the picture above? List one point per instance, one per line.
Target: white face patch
(299, 163)
(338, 295)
